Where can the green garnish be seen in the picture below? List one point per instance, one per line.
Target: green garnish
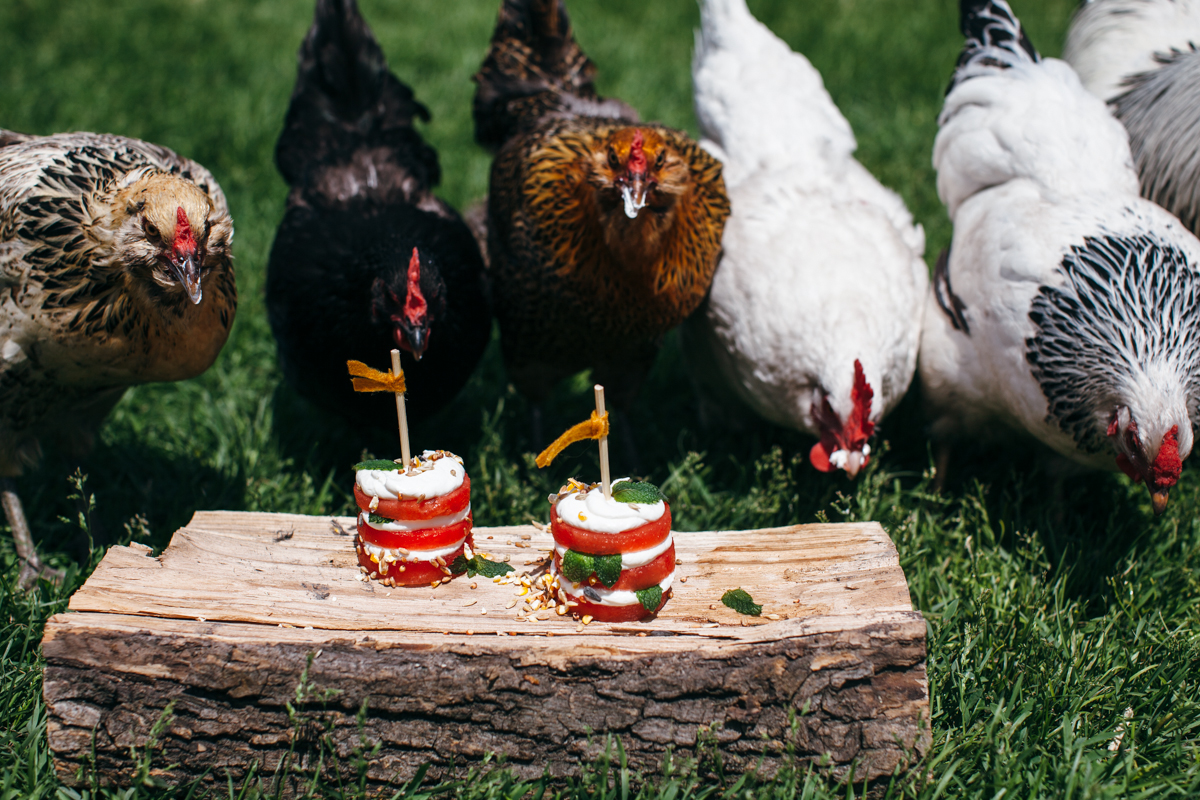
(637, 492)
(378, 519)
(376, 463)
(649, 598)
(578, 567)
(741, 601)
(478, 565)
(608, 569)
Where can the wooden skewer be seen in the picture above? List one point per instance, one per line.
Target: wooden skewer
(605, 477)
(402, 416)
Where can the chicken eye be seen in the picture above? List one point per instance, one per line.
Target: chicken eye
(613, 161)
(151, 230)
(662, 157)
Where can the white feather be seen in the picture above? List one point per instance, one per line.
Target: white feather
(1111, 40)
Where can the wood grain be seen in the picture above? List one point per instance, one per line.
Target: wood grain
(223, 623)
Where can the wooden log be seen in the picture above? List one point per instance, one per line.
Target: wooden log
(224, 623)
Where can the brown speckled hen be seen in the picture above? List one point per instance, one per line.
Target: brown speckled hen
(603, 232)
(116, 270)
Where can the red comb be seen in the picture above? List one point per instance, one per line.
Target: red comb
(185, 240)
(1164, 472)
(637, 157)
(838, 436)
(415, 306)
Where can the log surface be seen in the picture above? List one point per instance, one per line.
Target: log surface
(224, 622)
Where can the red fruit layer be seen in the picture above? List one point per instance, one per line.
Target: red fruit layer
(415, 573)
(630, 613)
(635, 578)
(594, 543)
(449, 503)
(425, 539)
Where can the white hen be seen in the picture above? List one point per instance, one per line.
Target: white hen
(1141, 57)
(1074, 309)
(814, 314)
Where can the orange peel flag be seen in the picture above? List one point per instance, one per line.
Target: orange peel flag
(594, 428)
(366, 379)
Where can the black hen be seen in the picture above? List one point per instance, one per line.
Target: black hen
(366, 258)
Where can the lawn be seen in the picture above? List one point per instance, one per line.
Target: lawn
(1064, 628)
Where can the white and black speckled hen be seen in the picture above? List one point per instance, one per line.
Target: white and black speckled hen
(814, 315)
(115, 269)
(366, 258)
(1141, 57)
(1069, 306)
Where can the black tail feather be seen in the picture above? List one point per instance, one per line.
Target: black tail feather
(992, 23)
(994, 36)
(534, 67)
(346, 101)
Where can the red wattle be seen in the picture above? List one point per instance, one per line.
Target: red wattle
(1164, 472)
(819, 458)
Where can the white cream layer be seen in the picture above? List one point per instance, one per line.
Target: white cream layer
(611, 597)
(386, 555)
(592, 512)
(638, 558)
(440, 478)
(406, 525)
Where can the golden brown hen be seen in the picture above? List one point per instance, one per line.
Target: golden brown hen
(603, 232)
(115, 269)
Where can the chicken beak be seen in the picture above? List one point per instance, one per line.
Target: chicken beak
(1158, 499)
(187, 272)
(854, 462)
(414, 340)
(633, 192)
(418, 341)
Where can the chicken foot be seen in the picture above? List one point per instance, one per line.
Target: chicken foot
(32, 567)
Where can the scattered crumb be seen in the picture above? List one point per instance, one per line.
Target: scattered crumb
(774, 616)
(283, 536)
(470, 603)
(533, 680)
(683, 579)
(474, 585)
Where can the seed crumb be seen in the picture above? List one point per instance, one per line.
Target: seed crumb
(774, 616)
(474, 585)
(469, 603)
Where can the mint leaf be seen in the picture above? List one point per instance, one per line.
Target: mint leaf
(637, 492)
(376, 463)
(576, 567)
(608, 569)
(741, 601)
(478, 565)
(650, 598)
(378, 519)
(488, 569)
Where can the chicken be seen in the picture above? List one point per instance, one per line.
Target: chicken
(1068, 307)
(815, 311)
(116, 270)
(366, 258)
(603, 232)
(1140, 56)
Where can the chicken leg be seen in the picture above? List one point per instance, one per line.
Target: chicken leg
(32, 567)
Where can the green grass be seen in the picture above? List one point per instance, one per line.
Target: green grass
(1051, 610)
